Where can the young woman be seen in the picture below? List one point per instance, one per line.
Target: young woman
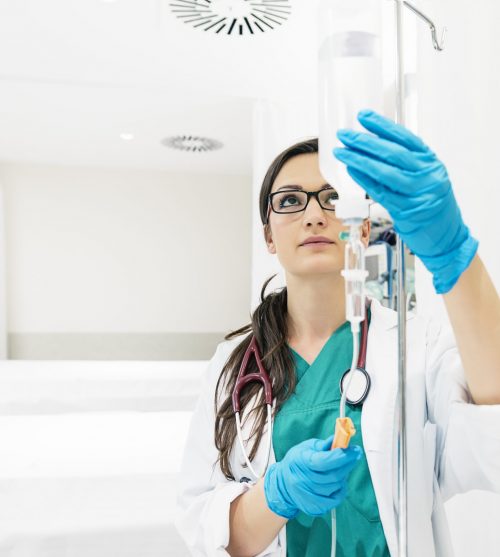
(453, 407)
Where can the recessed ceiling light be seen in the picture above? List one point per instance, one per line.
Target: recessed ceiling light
(127, 136)
(191, 143)
(232, 17)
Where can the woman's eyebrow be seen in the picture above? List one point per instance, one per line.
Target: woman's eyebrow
(296, 187)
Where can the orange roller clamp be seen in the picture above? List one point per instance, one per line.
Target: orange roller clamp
(344, 430)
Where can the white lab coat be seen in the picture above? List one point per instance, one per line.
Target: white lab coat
(453, 444)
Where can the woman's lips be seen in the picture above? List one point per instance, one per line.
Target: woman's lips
(317, 244)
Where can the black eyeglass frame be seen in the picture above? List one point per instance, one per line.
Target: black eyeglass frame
(309, 195)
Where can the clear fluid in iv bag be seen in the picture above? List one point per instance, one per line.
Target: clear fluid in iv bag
(350, 79)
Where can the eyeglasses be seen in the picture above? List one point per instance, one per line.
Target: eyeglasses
(293, 201)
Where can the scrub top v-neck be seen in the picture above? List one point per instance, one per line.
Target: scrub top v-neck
(311, 411)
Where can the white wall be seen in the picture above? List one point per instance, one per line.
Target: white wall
(3, 293)
(459, 119)
(95, 250)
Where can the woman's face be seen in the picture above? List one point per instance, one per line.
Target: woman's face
(286, 232)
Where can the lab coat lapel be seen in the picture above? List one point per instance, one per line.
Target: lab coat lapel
(379, 413)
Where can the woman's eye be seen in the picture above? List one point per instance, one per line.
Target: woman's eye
(293, 198)
(332, 198)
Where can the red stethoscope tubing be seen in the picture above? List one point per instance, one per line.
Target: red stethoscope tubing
(244, 378)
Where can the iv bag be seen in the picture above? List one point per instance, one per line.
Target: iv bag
(350, 79)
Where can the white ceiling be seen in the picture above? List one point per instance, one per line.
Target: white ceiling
(74, 74)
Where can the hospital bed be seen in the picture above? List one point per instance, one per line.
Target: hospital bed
(89, 454)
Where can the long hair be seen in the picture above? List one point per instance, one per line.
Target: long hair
(269, 325)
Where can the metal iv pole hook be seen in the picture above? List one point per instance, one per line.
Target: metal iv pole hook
(438, 45)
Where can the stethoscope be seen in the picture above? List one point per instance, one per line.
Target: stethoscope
(359, 387)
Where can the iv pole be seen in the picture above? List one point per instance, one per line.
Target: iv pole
(401, 287)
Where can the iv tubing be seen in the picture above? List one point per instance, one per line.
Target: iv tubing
(353, 238)
(358, 253)
(355, 354)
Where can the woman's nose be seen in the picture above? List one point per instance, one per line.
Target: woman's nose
(314, 211)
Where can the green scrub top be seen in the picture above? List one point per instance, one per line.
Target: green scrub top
(311, 412)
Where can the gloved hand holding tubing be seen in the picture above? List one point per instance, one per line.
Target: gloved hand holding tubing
(401, 173)
(311, 478)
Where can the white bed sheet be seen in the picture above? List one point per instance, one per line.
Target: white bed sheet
(92, 483)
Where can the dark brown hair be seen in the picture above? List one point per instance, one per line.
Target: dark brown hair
(269, 325)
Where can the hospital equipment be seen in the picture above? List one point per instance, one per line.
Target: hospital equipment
(350, 78)
(378, 262)
(349, 55)
(349, 59)
(402, 510)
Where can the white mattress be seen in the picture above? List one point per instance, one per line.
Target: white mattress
(89, 453)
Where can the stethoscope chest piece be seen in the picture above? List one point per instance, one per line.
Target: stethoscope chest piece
(358, 388)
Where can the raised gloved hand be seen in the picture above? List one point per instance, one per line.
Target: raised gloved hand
(401, 173)
(311, 478)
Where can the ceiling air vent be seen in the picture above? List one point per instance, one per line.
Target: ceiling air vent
(232, 17)
(191, 143)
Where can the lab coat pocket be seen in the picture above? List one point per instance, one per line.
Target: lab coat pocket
(429, 464)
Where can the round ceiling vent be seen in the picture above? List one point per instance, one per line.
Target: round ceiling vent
(232, 17)
(191, 143)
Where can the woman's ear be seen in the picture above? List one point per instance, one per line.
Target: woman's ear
(269, 239)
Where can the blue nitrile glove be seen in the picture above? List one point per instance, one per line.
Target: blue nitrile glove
(401, 173)
(311, 478)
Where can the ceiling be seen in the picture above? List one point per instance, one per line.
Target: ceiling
(75, 74)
